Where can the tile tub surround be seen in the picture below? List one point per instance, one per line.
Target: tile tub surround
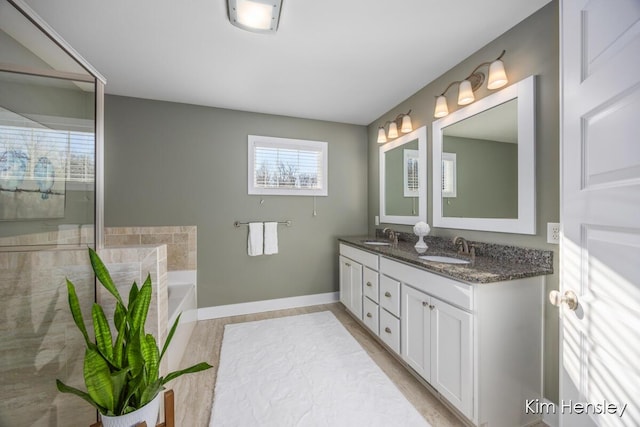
(181, 242)
(129, 264)
(493, 262)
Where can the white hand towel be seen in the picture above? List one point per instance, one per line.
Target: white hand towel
(254, 242)
(270, 238)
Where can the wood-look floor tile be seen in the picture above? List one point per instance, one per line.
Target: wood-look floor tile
(194, 392)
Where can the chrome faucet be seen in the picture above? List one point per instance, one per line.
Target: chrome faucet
(393, 236)
(463, 247)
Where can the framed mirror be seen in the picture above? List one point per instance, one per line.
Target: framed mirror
(403, 179)
(484, 163)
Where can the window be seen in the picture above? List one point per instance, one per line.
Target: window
(281, 166)
(411, 173)
(449, 185)
(69, 154)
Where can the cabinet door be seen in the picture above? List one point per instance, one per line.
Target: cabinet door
(452, 355)
(416, 331)
(351, 285)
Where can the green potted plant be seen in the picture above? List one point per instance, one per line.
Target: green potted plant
(122, 376)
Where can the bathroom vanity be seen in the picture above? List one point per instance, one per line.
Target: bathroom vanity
(472, 331)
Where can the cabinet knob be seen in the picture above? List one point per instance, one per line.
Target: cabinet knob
(369, 315)
(387, 330)
(347, 264)
(369, 284)
(431, 307)
(424, 303)
(387, 294)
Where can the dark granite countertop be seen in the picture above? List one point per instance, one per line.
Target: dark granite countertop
(493, 262)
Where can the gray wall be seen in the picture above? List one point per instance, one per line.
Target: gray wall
(532, 48)
(178, 164)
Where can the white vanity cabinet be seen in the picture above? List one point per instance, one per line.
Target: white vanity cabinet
(358, 277)
(437, 343)
(436, 335)
(479, 345)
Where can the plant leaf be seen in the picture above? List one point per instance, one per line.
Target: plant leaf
(140, 308)
(170, 336)
(150, 392)
(97, 378)
(103, 275)
(63, 388)
(118, 347)
(102, 332)
(76, 312)
(133, 294)
(134, 355)
(119, 382)
(202, 366)
(151, 357)
(119, 315)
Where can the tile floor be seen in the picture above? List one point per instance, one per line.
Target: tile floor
(194, 393)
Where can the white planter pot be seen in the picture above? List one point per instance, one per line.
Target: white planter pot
(148, 413)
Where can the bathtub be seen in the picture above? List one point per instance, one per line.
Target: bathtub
(182, 299)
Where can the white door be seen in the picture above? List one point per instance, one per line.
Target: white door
(351, 285)
(600, 213)
(345, 281)
(452, 355)
(416, 331)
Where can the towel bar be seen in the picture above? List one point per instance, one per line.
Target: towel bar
(237, 224)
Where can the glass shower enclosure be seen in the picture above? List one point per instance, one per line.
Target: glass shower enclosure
(51, 104)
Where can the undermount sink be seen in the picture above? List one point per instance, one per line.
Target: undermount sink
(444, 259)
(376, 243)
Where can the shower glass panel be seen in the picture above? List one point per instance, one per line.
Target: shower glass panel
(50, 162)
(47, 161)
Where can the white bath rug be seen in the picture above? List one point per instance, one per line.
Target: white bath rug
(303, 370)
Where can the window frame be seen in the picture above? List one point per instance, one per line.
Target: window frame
(287, 143)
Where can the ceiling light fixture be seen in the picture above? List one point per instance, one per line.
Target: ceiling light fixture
(497, 79)
(259, 16)
(403, 121)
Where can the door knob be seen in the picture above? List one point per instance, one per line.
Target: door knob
(569, 297)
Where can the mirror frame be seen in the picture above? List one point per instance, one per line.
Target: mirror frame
(421, 135)
(524, 91)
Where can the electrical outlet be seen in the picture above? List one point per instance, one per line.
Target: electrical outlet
(377, 220)
(553, 233)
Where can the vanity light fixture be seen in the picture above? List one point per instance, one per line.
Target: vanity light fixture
(259, 16)
(403, 121)
(497, 79)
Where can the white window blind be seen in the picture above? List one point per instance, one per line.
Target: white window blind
(449, 185)
(411, 173)
(71, 153)
(287, 166)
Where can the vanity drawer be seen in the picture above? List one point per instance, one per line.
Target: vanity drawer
(365, 258)
(370, 317)
(390, 330)
(449, 290)
(370, 284)
(390, 295)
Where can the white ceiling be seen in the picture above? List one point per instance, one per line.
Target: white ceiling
(344, 61)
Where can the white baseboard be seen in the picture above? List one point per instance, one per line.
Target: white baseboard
(219, 311)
